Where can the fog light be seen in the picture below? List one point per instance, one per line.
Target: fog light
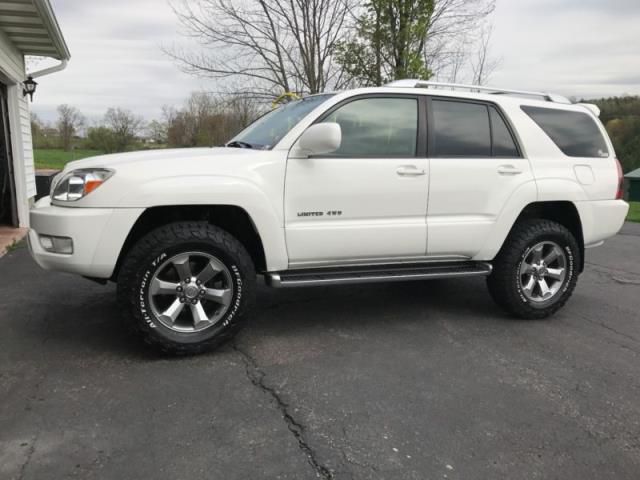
(52, 244)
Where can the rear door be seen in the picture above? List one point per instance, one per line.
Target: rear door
(475, 167)
(368, 200)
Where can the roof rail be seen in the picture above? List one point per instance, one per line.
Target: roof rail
(410, 83)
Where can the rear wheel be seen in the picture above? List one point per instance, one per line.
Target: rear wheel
(187, 287)
(535, 272)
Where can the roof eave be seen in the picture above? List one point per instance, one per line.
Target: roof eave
(51, 23)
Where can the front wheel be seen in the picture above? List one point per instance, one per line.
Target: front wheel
(535, 273)
(187, 287)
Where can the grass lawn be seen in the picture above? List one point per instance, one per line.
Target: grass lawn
(57, 159)
(634, 212)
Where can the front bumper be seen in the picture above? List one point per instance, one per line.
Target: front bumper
(98, 235)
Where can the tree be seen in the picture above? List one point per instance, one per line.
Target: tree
(157, 132)
(36, 129)
(208, 119)
(124, 125)
(70, 120)
(397, 39)
(484, 65)
(390, 41)
(268, 46)
(102, 139)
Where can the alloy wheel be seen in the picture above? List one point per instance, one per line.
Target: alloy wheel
(191, 292)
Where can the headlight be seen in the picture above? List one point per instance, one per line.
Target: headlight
(78, 184)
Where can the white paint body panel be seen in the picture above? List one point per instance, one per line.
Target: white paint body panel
(379, 214)
(460, 208)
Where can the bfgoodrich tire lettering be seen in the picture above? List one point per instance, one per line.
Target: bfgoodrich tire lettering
(522, 283)
(190, 240)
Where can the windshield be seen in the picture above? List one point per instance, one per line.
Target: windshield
(269, 129)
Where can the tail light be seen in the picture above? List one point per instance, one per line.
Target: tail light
(620, 193)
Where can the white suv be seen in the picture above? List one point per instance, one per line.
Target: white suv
(411, 181)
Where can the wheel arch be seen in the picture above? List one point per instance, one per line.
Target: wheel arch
(563, 212)
(231, 218)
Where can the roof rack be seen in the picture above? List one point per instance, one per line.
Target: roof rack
(410, 83)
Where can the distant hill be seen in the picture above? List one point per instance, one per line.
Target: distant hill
(621, 116)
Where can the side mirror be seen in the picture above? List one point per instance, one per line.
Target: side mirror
(319, 139)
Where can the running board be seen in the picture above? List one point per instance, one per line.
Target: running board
(376, 274)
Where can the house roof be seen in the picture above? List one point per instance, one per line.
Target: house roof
(633, 174)
(32, 27)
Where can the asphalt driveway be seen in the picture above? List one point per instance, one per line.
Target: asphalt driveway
(422, 380)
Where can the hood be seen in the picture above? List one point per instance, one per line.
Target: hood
(140, 171)
(159, 156)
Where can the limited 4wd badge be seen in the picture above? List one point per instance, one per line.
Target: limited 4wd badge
(329, 213)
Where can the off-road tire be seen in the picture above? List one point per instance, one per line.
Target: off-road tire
(504, 281)
(144, 259)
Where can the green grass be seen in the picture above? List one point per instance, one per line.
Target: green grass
(634, 212)
(57, 159)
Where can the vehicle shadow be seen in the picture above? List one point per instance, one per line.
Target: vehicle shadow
(90, 321)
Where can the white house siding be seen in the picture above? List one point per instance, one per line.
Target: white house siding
(12, 73)
(27, 147)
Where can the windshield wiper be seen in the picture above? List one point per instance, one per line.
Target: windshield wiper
(239, 144)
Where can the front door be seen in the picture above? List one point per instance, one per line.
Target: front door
(475, 168)
(368, 200)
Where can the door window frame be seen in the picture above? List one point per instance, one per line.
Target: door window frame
(422, 134)
(431, 134)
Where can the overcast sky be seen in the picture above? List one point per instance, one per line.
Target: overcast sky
(582, 48)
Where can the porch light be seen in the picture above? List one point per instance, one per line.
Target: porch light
(29, 87)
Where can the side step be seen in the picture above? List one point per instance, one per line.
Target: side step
(376, 274)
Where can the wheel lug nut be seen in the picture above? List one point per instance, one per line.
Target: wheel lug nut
(194, 301)
(187, 280)
(179, 289)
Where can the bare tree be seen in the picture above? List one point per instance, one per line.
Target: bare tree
(124, 125)
(268, 46)
(454, 30)
(70, 120)
(483, 64)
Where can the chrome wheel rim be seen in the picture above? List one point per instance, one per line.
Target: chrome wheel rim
(191, 292)
(543, 272)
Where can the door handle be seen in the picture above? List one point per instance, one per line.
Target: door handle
(410, 171)
(509, 170)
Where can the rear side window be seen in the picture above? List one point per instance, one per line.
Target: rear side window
(462, 129)
(575, 133)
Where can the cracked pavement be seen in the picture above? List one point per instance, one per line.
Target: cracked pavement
(422, 380)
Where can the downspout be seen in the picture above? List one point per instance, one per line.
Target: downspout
(48, 71)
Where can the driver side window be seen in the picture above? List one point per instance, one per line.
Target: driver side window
(377, 127)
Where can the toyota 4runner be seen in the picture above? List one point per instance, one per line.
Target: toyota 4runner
(415, 180)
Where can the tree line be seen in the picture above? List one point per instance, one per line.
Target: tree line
(204, 120)
(621, 116)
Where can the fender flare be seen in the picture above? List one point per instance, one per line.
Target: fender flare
(219, 190)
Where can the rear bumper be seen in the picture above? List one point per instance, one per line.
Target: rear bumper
(98, 235)
(601, 219)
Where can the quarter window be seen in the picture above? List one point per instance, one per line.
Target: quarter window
(377, 127)
(575, 133)
(502, 144)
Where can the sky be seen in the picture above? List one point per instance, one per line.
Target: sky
(579, 48)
